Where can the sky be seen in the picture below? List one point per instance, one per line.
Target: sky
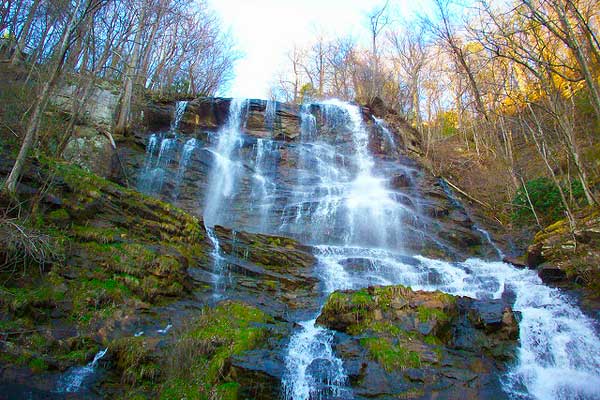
(265, 30)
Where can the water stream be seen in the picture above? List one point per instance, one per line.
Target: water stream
(73, 379)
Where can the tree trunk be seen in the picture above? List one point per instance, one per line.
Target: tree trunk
(123, 123)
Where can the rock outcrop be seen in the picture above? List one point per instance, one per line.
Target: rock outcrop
(90, 146)
(398, 342)
(564, 256)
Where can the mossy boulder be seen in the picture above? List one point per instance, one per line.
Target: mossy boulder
(397, 341)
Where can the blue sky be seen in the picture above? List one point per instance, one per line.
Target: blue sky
(265, 30)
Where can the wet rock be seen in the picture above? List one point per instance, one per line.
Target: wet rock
(515, 262)
(157, 116)
(400, 181)
(551, 273)
(534, 255)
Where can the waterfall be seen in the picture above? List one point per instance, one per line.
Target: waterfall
(155, 171)
(270, 112)
(262, 188)
(370, 216)
(223, 182)
(384, 129)
(72, 380)
(226, 169)
(180, 108)
(328, 190)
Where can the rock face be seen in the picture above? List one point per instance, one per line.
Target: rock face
(91, 151)
(99, 109)
(270, 268)
(398, 342)
(562, 256)
(90, 147)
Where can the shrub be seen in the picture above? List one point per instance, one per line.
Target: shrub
(545, 198)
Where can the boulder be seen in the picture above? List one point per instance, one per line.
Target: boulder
(395, 341)
(91, 151)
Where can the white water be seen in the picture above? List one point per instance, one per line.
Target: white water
(388, 135)
(270, 113)
(72, 380)
(262, 187)
(155, 170)
(559, 353)
(223, 176)
(180, 107)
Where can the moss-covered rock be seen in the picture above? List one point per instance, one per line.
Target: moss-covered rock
(397, 340)
(565, 255)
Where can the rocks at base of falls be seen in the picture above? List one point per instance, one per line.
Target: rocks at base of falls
(565, 257)
(398, 342)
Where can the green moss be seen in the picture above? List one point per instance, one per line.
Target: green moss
(433, 340)
(59, 217)
(229, 391)
(44, 296)
(425, 314)
(38, 365)
(100, 235)
(178, 389)
(391, 356)
(202, 350)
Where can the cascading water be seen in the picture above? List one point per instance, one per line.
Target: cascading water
(223, 182)
(227, 167)
(270, 112)
(371, 217)
(180, 107)
(384, 129)
(556, 338)
(155, 171)
(262, 187)
(73, 379)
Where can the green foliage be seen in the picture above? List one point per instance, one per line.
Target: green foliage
(546, 200)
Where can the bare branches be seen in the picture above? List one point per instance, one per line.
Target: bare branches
(22, 246)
